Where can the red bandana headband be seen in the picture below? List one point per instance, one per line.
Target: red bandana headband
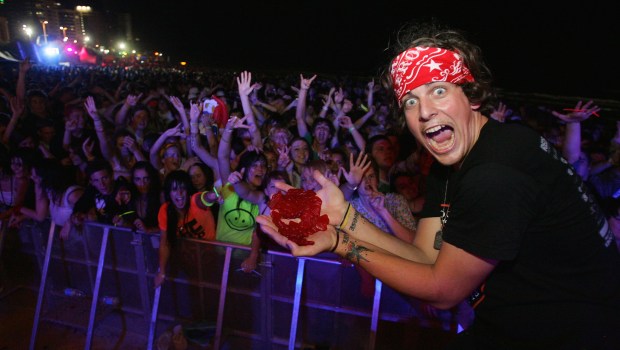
(420, 65)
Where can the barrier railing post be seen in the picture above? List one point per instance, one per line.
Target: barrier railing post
(301, 263)
(153, 325)
(46, 262)
(376, 303)
(222, 302)
(87, 257)
(138, 243)
(201, 290)
(93, 307)
(266, 283)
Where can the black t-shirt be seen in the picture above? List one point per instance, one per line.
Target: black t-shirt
(105, 205)
(516, 200)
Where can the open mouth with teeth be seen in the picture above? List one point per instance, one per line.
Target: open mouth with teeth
(179, 201)
(440, 138)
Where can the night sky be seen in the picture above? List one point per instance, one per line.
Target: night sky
(530, 47)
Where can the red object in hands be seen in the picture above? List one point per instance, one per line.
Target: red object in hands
(298, 204)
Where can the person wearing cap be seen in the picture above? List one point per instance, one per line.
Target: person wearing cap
(507, 223)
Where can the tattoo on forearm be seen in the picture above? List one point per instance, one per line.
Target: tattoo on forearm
(354, 251)
(354, 221)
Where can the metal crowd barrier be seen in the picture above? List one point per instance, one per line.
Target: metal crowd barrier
(286, 301)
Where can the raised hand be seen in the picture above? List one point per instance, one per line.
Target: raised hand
(236, 176)
(132, 100)
(195, 110)
(91, 108)
(174, 131)
(237, 123)
(70, 124)
(17, 106)
(244, 82)
(345, 122)
(130, 143)
(356, 169)
(25, 65)
(305, 83)
(283, 158)
(581, 112)
(501, 113)
(339, 96)
(371, 85)
(177, 103)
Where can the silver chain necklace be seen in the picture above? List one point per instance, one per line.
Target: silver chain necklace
(445, 212)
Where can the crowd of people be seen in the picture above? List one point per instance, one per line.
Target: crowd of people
(199, 154)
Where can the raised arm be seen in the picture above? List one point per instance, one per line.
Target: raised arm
(17, 109)
(96, 89)
(179, 107)
(370, 94)
(20, 88)
(104, 145)
(571, 147)
(119, 89)
(70, 126)
(132, 145)
(345, 122)
(244, 83)
(194, 138)
(212, 139)
(223, 153)
(121, 116)
(361, 121)
(154, 157)
(327, 103)
(300, 112)
(258, 113)
(337, 102)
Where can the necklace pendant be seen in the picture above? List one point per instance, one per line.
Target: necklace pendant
(438, 240)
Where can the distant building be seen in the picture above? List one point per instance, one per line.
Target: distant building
(47, 19)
